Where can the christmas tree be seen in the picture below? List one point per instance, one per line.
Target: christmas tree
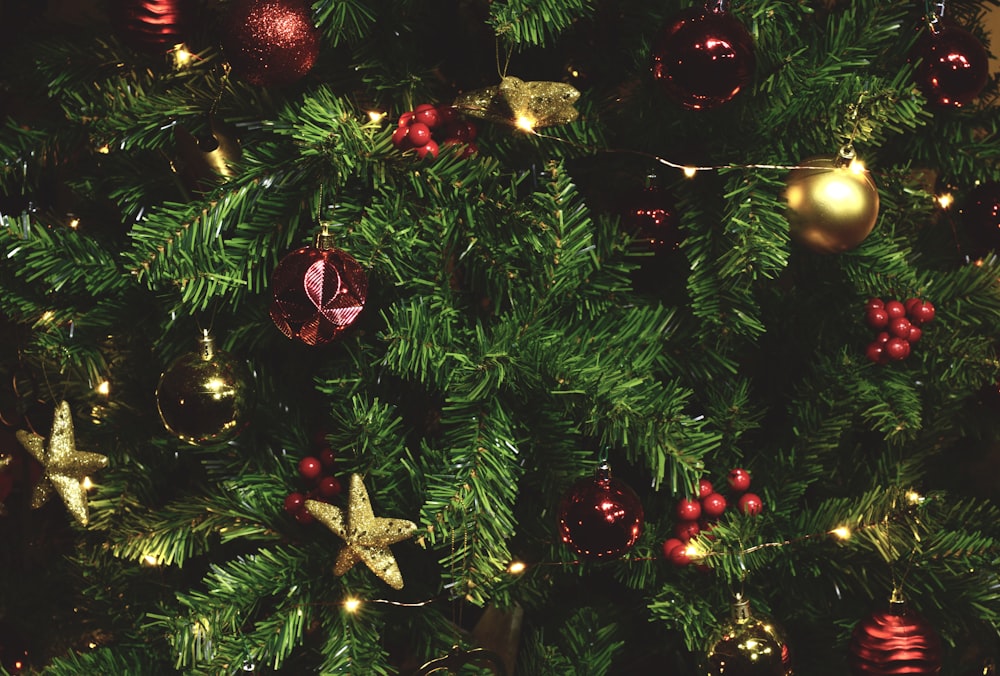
(557, 337)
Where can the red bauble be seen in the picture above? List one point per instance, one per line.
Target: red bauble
(310, 468)
(713, 505)
(703, 58)
(318, 292)
(688, 510)
(953, 66)
(270, 42)
(739, 479)
(600, 517)
(981, 217)
(650, 216)
(894, 641)
(152, 26)
(750, 504)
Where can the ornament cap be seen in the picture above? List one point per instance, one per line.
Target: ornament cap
(324, 238)
(741, 609)
(206, 346)
(897, 602)
(845, 155)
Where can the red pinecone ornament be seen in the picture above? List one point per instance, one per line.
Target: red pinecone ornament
(318, 292)
(894, 641)
(152, 26)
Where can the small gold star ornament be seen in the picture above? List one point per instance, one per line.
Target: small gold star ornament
(366, 537)
(64, 467)
(527, 105)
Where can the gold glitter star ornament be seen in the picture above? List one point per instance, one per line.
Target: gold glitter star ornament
(524, 104)
(64, 467)
(366, 537)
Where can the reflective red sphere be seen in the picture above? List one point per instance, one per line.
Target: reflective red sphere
(600, 517)
(151, 25)
(952, 66)
(894, 641)
(270, 42)
(318, 293)
(703, 58)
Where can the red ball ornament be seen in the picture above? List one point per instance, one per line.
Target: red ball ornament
(310, 468)
(750, 504)
(318, 292)
(981, 217)
(294, 502)
(688, 510)
(952, 65)
(894, 641)
(600, 517)
(739, 479)
(650, 216)
(703, 58)
(713, 505)
(152, 26)
(270, 42)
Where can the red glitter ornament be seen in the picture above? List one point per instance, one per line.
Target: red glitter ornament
(270, 42)
(894, 641)
(152, 26)
(318, 292)
(600, 517)
(952, 65)
(703, 57)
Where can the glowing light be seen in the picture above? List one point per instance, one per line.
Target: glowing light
(945, 200)
(150, 560)
(525, 123)
(914, 498)
(105, 149)
(842, 532)
(689, 172)
(47, 316)
(182, 56)
(351, 604)
(91, 645)
(87, 484)
(516, 568)
(857, 166)
(74, 223)
(104, 388)
(375, 116)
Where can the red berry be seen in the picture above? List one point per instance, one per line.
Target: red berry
(688, 510)
(670, 545)
(751, 504)
(686, 530)
(446, 113)
(877, 318)
(294, 502)
(679, 556)
(909, 304)
(874, 351)
(400, 137)
(900, 327)
(327, 458)
(470, 130)
(713, 505)
(427, 114)
(304, 517)
(739, 479)
(328, 487)
(405, 118)
(915, 334)
(418, 134)
(895, 309)
(922, 313)
(897, 349)
(429, 148)
(882, 338)
(704, 488)
(310, 468)
(874, 303)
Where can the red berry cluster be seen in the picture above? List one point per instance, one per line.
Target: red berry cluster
(897, 325)
(427, 127)
(316, 472)
(695, 516)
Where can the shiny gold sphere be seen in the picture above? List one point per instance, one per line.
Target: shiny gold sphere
(747, 645)
(832, 204)
(204, 397)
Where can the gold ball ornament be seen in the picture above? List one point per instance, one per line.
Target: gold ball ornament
(747, 645)
(832, 203)
(203, 397)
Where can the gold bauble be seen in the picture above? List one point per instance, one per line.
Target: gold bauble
(747, 645)
(832, 203)
(204, 397)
